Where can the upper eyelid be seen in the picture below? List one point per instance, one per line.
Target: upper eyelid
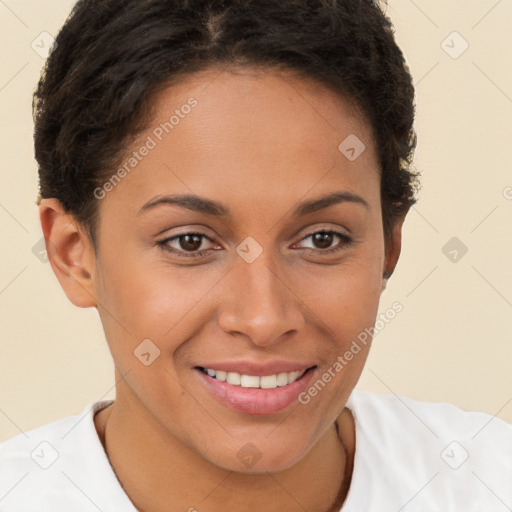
(343, 236)
(179, 235)
(209, 238)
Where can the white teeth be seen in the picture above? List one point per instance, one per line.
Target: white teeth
(268, 382)
(292, 376)
(282, 379)
(233, 378)
(250, 381)
(254, 381)
(220, 375)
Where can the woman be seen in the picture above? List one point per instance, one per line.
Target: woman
(226, 182)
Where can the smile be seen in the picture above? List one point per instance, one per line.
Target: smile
(255, 381)
(261, 393)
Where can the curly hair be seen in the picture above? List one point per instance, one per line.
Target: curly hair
(112, 56)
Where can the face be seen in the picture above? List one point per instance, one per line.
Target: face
(218, 248)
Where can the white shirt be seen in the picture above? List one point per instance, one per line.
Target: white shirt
(410, 456)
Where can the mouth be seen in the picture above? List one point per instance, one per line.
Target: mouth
(255, 381)
(250, 393)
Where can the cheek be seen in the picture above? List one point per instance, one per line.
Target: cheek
(152, 296)
(149, 298)
(345, 309)
(346, 296)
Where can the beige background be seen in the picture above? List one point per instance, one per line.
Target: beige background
(452, 340)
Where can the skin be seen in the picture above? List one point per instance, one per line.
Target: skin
(259, 142)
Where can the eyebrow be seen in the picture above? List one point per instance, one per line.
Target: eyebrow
(210, 207)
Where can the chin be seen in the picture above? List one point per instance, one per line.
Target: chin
(257, 458)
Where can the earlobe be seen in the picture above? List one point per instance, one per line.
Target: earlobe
(70, 253)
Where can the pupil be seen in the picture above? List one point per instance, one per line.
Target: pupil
(323, 240)
(192, 242)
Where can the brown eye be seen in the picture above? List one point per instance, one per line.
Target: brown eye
(185, 244)
(322, 241)
(190, 242)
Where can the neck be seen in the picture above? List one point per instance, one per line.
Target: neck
(145, 459)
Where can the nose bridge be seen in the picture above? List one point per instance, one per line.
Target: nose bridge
(260, 304)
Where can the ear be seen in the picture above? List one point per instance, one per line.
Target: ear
(393, 249)
(70, 253)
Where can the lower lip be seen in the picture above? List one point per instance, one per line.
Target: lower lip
(256, 400)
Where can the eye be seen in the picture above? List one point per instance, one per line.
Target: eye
(322, 241)
(187, 245)
(190, 245)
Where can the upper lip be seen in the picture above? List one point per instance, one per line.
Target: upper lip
(258, 368)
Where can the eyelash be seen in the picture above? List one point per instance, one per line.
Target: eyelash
(163, 243)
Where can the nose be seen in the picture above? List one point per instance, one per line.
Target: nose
(259, 303)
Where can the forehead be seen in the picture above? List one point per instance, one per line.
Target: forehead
(233, 102)
(251, 134)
